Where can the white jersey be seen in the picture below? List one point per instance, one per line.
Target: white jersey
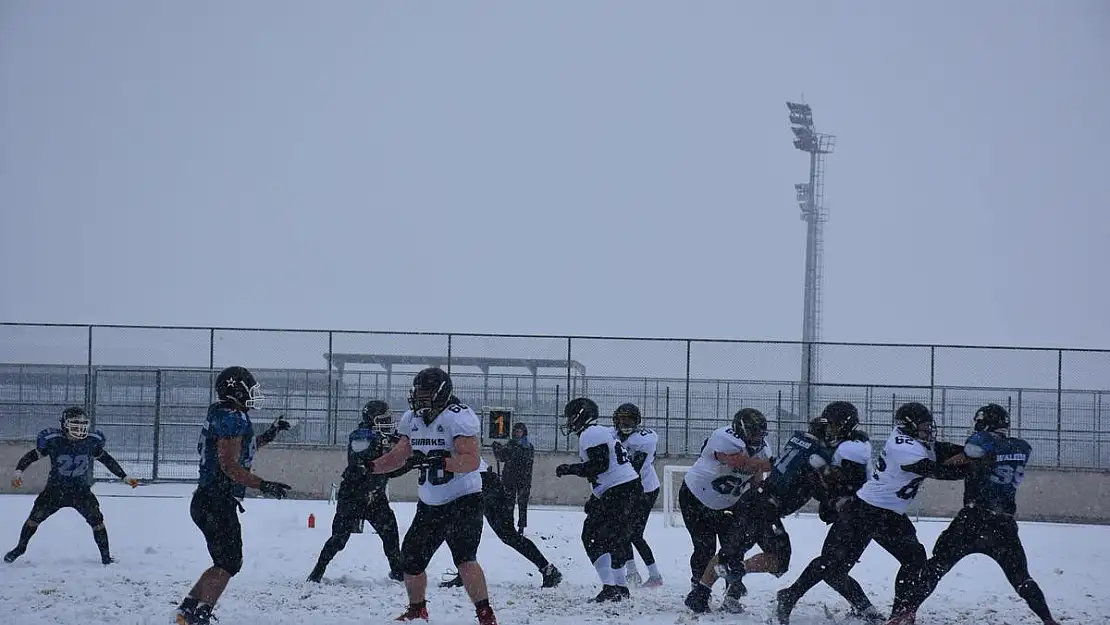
(643, 441)
(440, 487)
(890, 487)
(853, 451)
(620, 469)
(713, 482)
(483, 465)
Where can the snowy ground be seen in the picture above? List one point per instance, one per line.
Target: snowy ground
(160, 553)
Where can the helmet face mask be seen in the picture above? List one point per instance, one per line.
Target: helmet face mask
(376, 416)
(75, 423)
(627, 419)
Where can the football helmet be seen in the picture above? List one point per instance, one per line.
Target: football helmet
(75, 422)
(579, 414)
(992, 418)
(915, 420)
(627, 418)
(430, 393)
(751, 426)
(376, 416)
(237, 384)
(836, 422)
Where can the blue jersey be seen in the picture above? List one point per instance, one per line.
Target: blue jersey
(224, 422)
(363, 444)
(70, 459)
(789, 482)
(998, 472)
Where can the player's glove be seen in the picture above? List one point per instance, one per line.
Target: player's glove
(130, 481)
(276, 490)
(17, 479)
(562, 469)
(429, 462)
(280, 424)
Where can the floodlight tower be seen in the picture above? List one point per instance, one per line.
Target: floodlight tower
(811, 199)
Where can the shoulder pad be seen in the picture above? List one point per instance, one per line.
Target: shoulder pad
(858, 435)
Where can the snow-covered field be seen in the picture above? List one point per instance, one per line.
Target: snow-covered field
(160, 553)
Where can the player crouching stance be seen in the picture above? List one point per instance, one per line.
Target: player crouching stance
(71, 450)
(616, 489)
(226, 447)
(440, 434)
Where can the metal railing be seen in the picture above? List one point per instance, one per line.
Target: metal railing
(147, 387)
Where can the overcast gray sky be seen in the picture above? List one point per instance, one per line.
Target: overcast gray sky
(557, 167)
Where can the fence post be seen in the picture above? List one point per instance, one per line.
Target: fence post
(448, 354)
(156, 448)
(331, 415)
(1059, 406)
(556, 433)
(89, 377)
(1018, 419)
(569, 387)
(686, 435)
(667, 421)
(932, 375)
(211, 365)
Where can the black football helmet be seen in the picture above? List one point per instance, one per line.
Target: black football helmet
(627, 418)
(579, 414)
(836, 422)
(915, 420)
(992, 418)
(751, 425)
(75, 422)
(237, 385)
(375, 416)
(430, 394)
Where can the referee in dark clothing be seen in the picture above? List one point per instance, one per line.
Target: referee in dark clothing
(516, 458)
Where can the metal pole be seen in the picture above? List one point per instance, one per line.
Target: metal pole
(157, 425)
(89, 378)
(333, 426)
(667, 421)
(686, 437)
(932, 374)
(569, 391)
(1059, 406)
(211, 364)
(448, 354)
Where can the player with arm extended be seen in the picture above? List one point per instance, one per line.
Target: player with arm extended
(517, 459)
(878, 511)
(985, 524)
(440, 435)
(640, 443)
(615, 487)
(362, 496)
(226, 447)
(849, 472)
(731, 459)
(497, 505)
(71, 450)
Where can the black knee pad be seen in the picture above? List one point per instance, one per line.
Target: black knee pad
(1028, 588)
(95, 518)
(411, 564)
(230, 564)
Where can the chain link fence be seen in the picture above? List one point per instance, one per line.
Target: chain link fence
(147, 388)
